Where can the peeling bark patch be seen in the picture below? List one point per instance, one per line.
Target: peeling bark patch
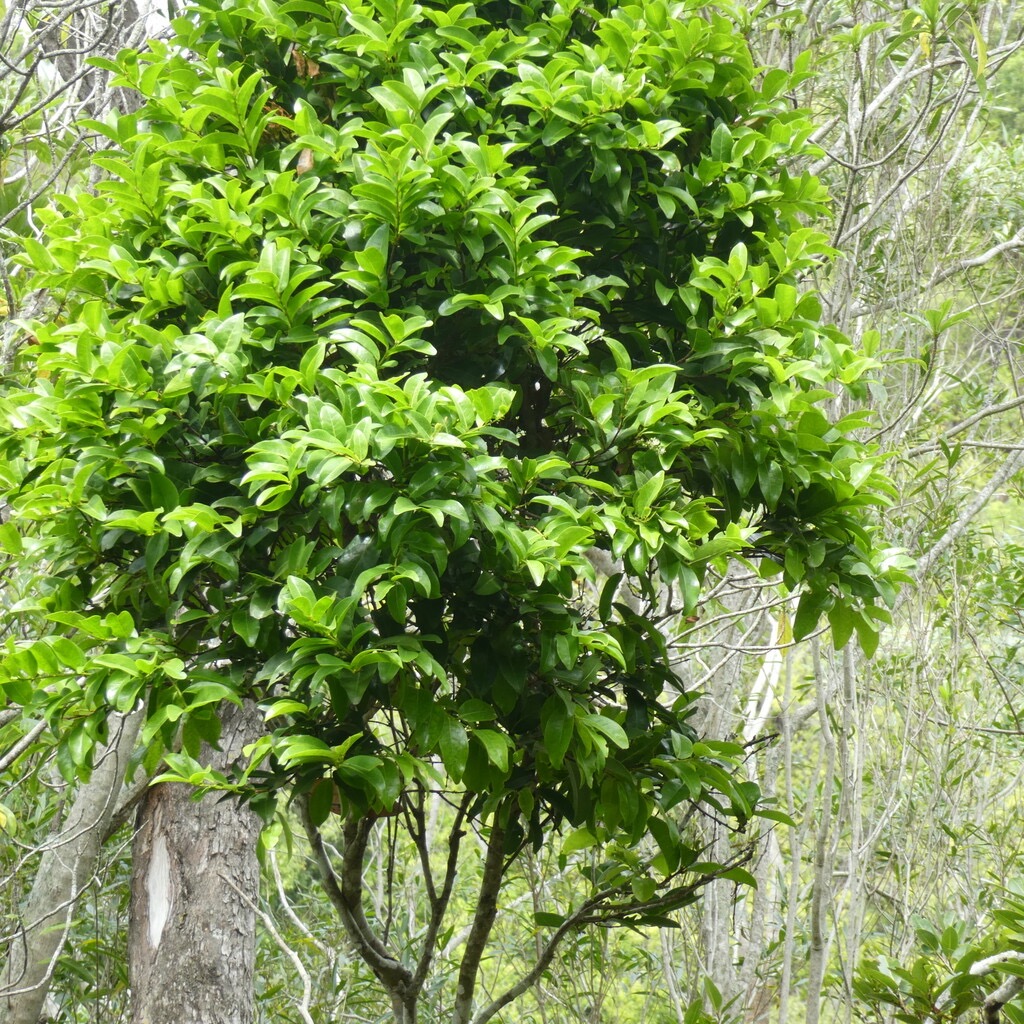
(158, 884)
(202, 970)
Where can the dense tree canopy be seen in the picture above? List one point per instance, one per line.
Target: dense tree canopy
(400, 347)
(386, 320)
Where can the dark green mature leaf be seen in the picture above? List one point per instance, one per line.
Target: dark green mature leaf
(558, 723)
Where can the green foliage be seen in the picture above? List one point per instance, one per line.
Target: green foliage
(1009, 97)
(939, 983)
(386, 319)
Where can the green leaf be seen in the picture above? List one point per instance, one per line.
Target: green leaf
(721, 143)
(454, 744)
(867, 636)
(476, 711)
(612, 730)
(770, 479)
(741, 876)
(774, 815)
(646, 494)
(245, 626)
(304, 750)
(580, 839)
(557, 723)
(10, 539)
(547, 920)
(843, 620)
(321, 800)
(285, 707)
(809, 610)
(496, 746)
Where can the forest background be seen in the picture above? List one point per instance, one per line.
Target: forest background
(889, 884)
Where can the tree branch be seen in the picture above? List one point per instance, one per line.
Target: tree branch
(391, 973)
(1012, 464)
(357, 835)
(439, 903)
(1009, 988)
(268, 922)
(599, 910)
(21, 746)
(483, 921)
(572, 923)
(959, 428)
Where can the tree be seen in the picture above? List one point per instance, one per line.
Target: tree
(929, 231)
(46, 91)
(414, 370)
(65, 871)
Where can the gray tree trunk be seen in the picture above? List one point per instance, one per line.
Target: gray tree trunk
(195, 883)
(66, 869)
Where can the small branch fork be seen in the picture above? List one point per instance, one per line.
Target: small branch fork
(403, 983)
(1009, 988)
(345, 895)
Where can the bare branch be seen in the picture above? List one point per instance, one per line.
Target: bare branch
(1013, 464)
(21, 746)
(1009, 988)
(439, 903)
(965, 424)
(296, 921)
(981, 260)
(268, 922)
(483, 920)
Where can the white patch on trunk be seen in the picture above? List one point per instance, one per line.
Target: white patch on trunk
(158, 888)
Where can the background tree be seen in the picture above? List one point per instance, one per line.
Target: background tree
(899, 848)
(46, 89)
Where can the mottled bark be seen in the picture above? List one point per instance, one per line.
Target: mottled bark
(195, 882)
(67, 867)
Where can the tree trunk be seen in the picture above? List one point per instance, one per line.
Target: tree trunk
(195, 883)
(821, 891)
(67, 867)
